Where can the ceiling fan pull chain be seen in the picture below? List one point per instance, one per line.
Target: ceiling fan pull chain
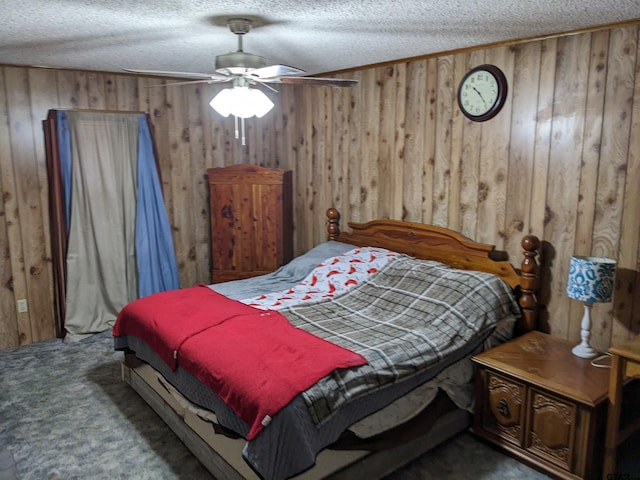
(240, 130)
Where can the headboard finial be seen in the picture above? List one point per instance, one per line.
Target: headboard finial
(333, 228)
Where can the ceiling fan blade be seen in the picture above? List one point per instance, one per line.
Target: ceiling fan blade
(275, 71)
(163, 73)
(260, 84)
(330, 82)
(188, 82)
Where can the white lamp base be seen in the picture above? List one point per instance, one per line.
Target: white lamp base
(583, 349)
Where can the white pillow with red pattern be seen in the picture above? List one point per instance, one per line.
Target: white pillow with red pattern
(330, 278)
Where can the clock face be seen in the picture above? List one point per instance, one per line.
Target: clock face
(482, 92)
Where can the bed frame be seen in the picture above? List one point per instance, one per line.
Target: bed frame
(222, 455)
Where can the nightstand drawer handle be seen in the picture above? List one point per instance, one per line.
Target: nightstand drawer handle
(503, 408)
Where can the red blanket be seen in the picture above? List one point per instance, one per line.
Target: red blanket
(255, 360)
(165, 320)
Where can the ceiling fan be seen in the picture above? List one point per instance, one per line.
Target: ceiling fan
(243, 68)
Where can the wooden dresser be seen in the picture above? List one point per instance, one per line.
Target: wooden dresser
(251, 221)
(544, 405)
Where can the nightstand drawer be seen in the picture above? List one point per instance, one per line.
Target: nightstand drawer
(552, 430)
(504, 409)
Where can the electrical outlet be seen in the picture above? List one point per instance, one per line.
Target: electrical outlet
(22, 305)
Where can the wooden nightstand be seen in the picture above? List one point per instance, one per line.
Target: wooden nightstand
(542, 404)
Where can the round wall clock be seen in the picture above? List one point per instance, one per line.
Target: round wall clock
(482, 92)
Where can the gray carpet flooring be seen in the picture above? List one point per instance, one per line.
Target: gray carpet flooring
(65, 414)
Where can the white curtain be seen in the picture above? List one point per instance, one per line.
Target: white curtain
(101, 272)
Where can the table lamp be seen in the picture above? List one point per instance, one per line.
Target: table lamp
(591, 281)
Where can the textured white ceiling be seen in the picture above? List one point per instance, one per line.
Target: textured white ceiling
(316, 36)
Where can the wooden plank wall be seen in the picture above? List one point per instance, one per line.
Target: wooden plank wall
(562, 161)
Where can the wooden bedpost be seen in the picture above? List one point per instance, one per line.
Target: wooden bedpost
(333, 227)
(528, 285)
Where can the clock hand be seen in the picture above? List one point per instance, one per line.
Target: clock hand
(480, 95)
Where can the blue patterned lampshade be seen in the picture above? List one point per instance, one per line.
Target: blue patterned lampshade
(591, 279)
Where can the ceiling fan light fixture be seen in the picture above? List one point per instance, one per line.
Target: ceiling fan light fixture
(241, 102)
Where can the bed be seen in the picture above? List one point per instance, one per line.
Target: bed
(362, 418)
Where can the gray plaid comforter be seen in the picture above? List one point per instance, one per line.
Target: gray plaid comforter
(404, 319)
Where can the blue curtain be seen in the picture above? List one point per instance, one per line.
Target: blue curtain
(155, 254)
(64, 149)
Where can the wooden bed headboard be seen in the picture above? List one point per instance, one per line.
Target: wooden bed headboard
(429, 242)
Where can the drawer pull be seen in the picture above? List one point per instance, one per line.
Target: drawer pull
(503, 408)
